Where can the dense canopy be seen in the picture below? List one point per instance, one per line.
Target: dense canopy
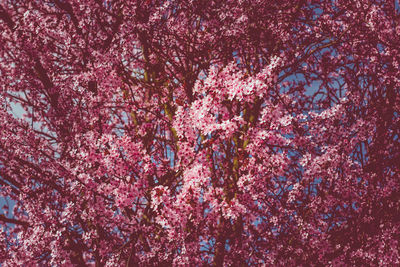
(202, 132)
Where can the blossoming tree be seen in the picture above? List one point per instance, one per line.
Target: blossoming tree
(203, 132)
